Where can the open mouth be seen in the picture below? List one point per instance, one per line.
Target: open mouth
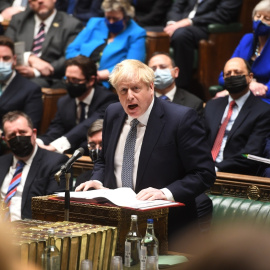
(132, 106)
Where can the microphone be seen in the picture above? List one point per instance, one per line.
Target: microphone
(64, 168)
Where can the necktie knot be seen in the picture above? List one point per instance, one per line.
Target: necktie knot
(20, 164)
(164, 97)
(134, 123)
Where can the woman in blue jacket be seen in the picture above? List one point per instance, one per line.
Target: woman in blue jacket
(110, 40)
(255, 48)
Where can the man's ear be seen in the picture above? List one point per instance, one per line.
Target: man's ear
(92, 81)
(176, 71)
(250, 77)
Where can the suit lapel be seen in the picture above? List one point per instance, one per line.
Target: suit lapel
(241, 116)
(152, 133)
(178, 97)
(11, 91)
(5, 165)
(28, 35)
(31, 176)
(215, 121)
(56, 23)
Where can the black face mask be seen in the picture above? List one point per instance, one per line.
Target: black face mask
(94, 154)
(75, 89)
(21, 146)
(235, 84)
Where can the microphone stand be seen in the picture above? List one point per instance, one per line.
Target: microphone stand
(67, 197)
(67, 192)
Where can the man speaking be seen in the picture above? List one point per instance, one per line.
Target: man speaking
(155, 147)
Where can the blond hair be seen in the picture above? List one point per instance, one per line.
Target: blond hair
(131, 70)
(116, 5)
(261, 6)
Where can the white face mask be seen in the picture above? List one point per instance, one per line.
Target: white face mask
(5, 70)
(163, 78)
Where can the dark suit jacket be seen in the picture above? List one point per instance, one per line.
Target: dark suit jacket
(21, 94)
(183, 97)
(208, 11)
(151, 12)
(174, 154)
(64, 123)
(63, 30)
(247, 135)
(40, 180)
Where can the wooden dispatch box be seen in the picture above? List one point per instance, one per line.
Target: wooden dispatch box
(44, 208)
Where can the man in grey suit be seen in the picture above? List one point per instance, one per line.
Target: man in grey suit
(165, 74)
(46, 33)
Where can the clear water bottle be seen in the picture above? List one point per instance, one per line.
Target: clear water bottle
(50, 257)
(132, 244)
(149, 245)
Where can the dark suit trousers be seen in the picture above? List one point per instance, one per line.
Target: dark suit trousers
(184, 41)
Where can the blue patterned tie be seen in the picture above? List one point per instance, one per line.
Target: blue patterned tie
(128, 157)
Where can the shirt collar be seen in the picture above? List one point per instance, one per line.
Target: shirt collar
(88, 99)
(143, 119)
(47, 22)
(240, 101)
(170, 94)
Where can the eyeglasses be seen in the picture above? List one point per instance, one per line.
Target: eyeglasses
(92, 145)
(74, 80)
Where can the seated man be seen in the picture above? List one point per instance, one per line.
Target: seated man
(237, 124)
(187, 23)
(17, 92)
(165, 74)
(155, 147)
(94, 139)
(46, 33)
(86, 101)
(28, 171)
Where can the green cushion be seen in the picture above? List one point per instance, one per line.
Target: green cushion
(214, 89)
(235, 209)
(224, 28)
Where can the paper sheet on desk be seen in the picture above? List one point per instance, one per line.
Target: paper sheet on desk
(124, 197)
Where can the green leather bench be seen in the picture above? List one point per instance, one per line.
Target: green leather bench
(232, 209)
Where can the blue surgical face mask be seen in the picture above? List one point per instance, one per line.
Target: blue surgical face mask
(163, 78)
(115, 27)
(5, 70)
(260, 28)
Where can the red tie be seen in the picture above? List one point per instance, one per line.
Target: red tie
(221, 132)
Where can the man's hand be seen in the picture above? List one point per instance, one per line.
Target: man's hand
(45, 68)
(103, 75)
(47, 147)
(151, 194)
(26, 71)
(258, 89)
(89, 184)
(222, 93)
(170, 29)
(10, 11)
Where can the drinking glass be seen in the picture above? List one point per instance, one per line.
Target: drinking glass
(86, 265)
(116, 263)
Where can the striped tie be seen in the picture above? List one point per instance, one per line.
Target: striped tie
(128, 157)
(14, 182)
(39, 39)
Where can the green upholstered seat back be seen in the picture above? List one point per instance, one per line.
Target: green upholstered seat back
(231, 209)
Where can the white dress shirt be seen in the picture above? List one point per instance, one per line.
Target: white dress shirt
(16, 200)
(170, 94)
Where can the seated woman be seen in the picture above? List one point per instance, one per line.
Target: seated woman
(255, 48)
(110, 40)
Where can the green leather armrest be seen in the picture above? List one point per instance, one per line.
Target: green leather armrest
(214, 89)
(231, 209)
(224, 28)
